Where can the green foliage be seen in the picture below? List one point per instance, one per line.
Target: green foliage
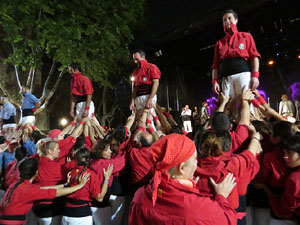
(95, 33)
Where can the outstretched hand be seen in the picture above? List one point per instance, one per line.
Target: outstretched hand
(225, 187)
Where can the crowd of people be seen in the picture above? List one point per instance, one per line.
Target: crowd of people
(229, 169)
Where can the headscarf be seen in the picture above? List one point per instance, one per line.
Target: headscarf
(54, 133)
(168, 152)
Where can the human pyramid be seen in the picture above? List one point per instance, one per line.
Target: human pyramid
(233, 169)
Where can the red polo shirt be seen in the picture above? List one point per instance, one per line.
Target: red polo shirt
(90, 191)
(145, 74)
(289, 203)
(11, 174)
(81, 85)
(236, 45)
(238, 137)
(22, 200)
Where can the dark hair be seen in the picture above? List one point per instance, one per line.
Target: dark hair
(225, 138)
(262, 127)
(75, 66)
(2, 140)
(140, 51)
(80, 143)
(20, 154)
(36, 136)
(220, 121)
(230, 11)
(282, 129)
(175, 130)
(292, 144)
(98, 148)
(27, 170)
(212, 146)
(198, 139)
(120, 133)
(82, 157)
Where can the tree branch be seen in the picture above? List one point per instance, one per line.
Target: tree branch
(47, 81)
(44, 105)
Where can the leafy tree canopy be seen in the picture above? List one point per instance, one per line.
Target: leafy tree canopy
(95, 33)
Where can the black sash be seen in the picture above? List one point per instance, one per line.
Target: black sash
(143, 90)
(232, 66)
(9, 120)
(27, 112)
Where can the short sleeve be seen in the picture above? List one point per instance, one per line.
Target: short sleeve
(252, 51)
(88, 87)
(154, 72)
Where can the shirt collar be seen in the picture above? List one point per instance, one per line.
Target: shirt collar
(76, 74)
(234, 30)
(143, 63)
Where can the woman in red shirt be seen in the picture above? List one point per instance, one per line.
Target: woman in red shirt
(77, 208)
(21, 196)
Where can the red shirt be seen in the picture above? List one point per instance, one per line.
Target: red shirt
(238, 137)
(178, 204)
(289, 203)
(100, 164)
(81, 85)
(236, 45)
(244, 167)
(274, 171)
(146, 73)
(141, 165)
(23, 198)
(11, 174)
(91, 189)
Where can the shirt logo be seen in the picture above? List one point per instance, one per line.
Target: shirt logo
(242, 46)
(144, 78)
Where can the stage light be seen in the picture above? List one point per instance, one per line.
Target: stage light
(271, 62)
(132, 78)
(63, 122)
(298, 56)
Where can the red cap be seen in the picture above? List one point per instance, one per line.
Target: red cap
(54, 133)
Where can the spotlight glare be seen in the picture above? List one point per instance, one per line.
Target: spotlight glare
(270, 62)
(63, 122)
(298, 56)
(132, 78)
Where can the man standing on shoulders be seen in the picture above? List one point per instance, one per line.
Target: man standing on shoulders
(81, 93)
(29, 105)
(146, 82)
(8, 115)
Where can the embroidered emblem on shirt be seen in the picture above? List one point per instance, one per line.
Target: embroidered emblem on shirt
(242, 46)
(144, 78)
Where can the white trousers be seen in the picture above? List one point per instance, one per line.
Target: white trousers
(80, 108)
(27, 119)
(140, 102)
(112, 214)
(282, 222)
(86, 220)
(233, 85)
(10, 125)
(56, 220)
(258, 216)
(187, 126)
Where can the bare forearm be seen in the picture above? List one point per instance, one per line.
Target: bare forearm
(245, 113)
(154, 88)
(103, 192)
(88, 100)
(67, 190)
(73, 101)
(133, 95)
(215, 74)
(255, 64)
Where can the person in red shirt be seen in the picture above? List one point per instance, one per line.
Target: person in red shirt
(146, 82)
(81, 93)
(232, 56)
(171, 197)
(286, 207)
(11, 171)
(21, 196)
(77, 208)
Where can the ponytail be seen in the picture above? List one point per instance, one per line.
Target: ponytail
(82, 158)
(27, 170)
(20, 154)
